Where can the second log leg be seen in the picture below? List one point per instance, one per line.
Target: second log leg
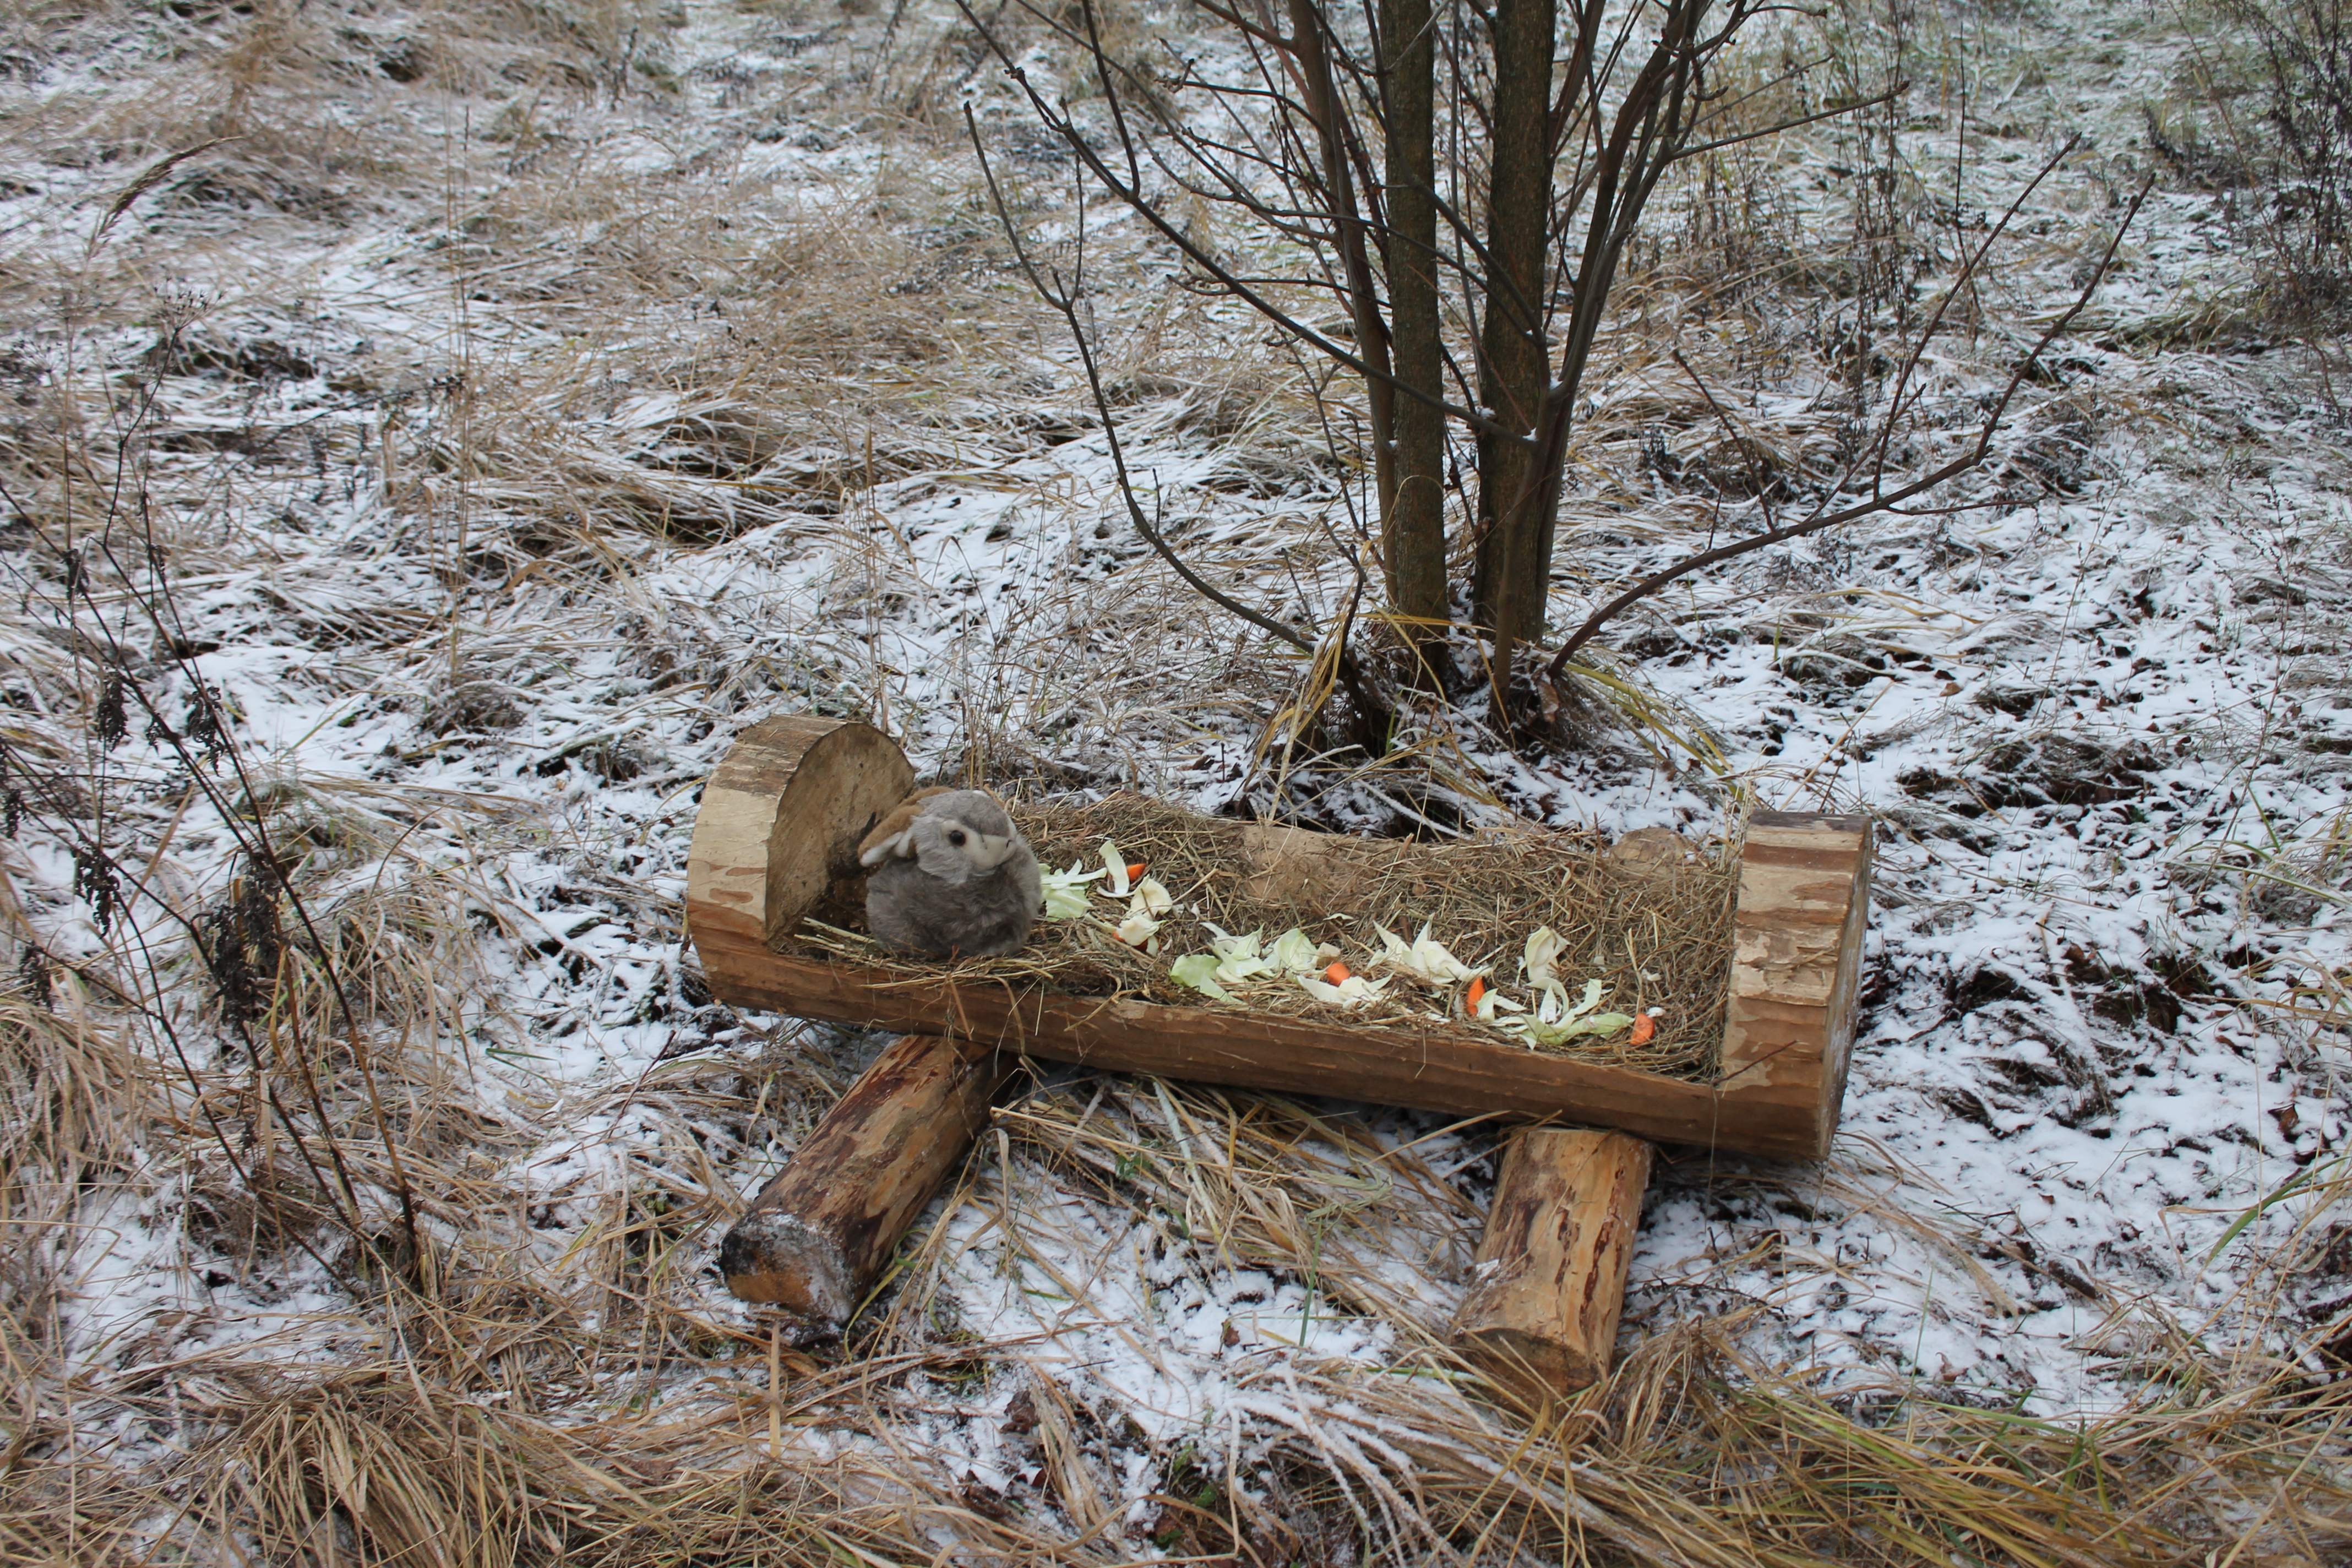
(1541, 1315)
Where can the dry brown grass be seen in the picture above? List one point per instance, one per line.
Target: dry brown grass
(537, 1369)
(486, 1427)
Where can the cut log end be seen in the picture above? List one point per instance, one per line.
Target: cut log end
(778, 831)
(1541, 1316)
(1796, 967)
(1531, 1364)
(780, 1260)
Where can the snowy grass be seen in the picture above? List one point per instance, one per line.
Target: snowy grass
(503, 404)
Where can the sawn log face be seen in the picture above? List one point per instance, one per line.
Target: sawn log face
(778, 828)
(1804, 899)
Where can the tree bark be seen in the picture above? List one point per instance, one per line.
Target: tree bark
(1309, 47)
(1514, 561)
(1412, 515)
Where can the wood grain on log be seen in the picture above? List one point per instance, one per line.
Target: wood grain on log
(1428, 1071)
(821, 1229)
(1542, 1314)
(778, 829)
(1804, 899)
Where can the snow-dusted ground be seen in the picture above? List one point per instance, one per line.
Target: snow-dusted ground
(572, 427)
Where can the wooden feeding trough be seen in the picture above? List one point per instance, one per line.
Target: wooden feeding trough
(775, 845)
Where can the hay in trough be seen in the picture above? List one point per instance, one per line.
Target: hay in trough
(1655, 934)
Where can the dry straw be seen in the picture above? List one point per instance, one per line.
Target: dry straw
(1692, 1452)
(1654, 935)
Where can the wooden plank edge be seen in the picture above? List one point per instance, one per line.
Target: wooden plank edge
(1838, 1054)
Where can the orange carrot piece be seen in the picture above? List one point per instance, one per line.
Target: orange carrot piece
(1477, 990)
(1644, 1026)
(1135, 871)
(1337, 973)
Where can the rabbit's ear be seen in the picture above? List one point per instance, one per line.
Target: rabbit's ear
(894, 835)
(877, 850)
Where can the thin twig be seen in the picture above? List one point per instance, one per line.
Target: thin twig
(1887, 501)
(1063, 300)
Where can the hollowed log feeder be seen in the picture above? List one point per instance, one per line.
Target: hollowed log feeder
(776, 841)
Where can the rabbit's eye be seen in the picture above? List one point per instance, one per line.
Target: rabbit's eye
(956, 838)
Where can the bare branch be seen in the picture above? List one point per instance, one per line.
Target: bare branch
(1885, 502)
(1968, 272)
(1128, 194)
(1755, 473)
(1889, 96)
(1064, 302)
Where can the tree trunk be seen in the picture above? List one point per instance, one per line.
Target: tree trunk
(1309, 47)
(1413, 518)
(1515, 540)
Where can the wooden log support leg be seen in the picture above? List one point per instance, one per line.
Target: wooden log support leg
(821, 1229)
(1542, 1314)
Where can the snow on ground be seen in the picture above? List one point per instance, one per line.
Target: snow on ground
(2102, 718)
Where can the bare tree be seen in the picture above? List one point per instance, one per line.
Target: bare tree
(1462, 184)
(1497, 227)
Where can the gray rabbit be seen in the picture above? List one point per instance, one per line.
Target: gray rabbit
(952, 877)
